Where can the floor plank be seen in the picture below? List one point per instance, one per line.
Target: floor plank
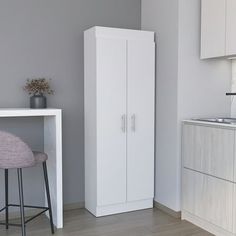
(140, 223)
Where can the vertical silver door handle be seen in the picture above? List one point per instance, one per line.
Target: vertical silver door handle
(123, 123)
(133, 122)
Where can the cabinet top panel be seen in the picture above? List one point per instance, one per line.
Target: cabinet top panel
(128, 34)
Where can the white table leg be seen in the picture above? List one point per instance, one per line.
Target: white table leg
(53, 147)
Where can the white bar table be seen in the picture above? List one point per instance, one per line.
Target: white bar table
(53, 147)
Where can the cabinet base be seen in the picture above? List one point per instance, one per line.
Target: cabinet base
(120, 208)
(214, 229)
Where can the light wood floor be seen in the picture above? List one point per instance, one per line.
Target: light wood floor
(139, 223)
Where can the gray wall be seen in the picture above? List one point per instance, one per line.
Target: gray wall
(162, 17)
(45, 38)
(202, 83)
(187, 87)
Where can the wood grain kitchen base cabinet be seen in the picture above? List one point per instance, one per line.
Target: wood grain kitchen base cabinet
(208, 177)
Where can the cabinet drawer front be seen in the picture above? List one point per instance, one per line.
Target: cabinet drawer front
(209, 150)
(209, 198)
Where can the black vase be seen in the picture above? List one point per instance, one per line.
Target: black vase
(38, 101)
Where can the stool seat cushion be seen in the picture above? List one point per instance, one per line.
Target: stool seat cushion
(40, 157)
(14, 152)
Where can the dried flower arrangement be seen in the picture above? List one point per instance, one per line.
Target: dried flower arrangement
(38, 86)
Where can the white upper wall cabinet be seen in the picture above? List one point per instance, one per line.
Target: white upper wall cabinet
(231, 27)
(218, 35)
(213, 28)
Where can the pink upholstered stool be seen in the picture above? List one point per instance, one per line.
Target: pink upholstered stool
(16, 154)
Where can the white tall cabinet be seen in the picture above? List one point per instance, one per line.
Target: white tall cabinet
(119, 120)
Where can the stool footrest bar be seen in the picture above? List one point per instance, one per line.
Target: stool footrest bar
(33, 217)
(4, 208)
(28, 206)
(10, 224)
(25, 206)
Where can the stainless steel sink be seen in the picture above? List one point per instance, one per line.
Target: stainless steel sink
(219, 120)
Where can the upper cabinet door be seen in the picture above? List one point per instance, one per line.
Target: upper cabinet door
(213, 20)
(140, 143)
(231, 27)
(111, 111)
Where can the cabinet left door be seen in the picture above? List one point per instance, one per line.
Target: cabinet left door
(111, 120)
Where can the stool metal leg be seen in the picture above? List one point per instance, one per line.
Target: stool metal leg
(6, 199)
(48, 195)
(22, 212)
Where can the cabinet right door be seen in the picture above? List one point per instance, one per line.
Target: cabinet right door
(140, 110)
(230, 27)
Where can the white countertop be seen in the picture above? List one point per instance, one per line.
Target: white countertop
(17, 112)
(205, 123)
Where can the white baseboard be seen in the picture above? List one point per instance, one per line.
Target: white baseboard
(74, 206)
(81, 205)
(176, 214)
